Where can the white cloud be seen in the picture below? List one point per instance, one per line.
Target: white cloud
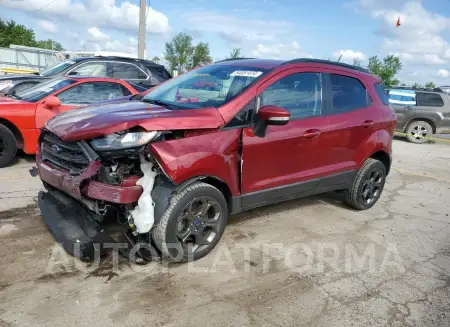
(96, 35)
(238, 30)
(48, 26)
(280, 51)
(419, 32)
(434, 59)
(103, 13)
(349, 55)
(405, 57)
(420, 41)
(443, 73)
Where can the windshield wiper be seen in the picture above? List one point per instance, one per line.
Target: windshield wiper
(160, 103)
(15, 96)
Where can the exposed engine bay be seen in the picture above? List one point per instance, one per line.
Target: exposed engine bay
(127, 185)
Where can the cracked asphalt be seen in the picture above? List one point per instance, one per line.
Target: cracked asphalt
(308, 262)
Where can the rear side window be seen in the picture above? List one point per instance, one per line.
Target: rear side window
(382, 93)
(348, 94)
(126, 71)
(429, 99)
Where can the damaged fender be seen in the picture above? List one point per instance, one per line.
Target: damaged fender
(208, 155)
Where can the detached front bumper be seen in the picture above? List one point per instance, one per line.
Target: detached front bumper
(73, 226)
(82, 188)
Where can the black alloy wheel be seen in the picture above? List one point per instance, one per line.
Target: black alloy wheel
(367, 185)
(198, 223)
(193, 223)
(372, 186)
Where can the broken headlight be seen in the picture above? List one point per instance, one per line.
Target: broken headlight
(118, 141)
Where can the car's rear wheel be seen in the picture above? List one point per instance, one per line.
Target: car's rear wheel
(193, 224)
(419, 132)
(367, 186)
(8, 146)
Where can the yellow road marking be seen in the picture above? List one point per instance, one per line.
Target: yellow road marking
(430, 138)
(410, 172)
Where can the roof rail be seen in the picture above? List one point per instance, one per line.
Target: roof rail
(328, 62)
(231, 59)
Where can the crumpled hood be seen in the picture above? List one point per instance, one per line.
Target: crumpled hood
(99, 120)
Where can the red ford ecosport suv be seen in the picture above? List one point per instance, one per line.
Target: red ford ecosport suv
(173, 166)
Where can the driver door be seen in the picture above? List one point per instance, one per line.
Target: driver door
(287, 161)
(79, 95)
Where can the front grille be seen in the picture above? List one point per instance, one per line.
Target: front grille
(67, 156)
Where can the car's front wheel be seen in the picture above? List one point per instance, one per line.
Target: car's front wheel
(8, 146)
(367, 186)
(193, 224)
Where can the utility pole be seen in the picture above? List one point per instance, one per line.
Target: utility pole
(142, 23)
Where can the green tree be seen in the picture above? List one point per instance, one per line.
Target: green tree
(386, 69)
(12, 33)
(182, 55)
(430, 85)
(357, 62)
(49, 44)
(156, 59)
(417, 86)
(236, 53)
(201, 55)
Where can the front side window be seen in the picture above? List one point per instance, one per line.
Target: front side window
(300, 93)
(126, 71)
(209, 86)
(429, 100)
(41, 90)
(57, 68)
(97, 69)
(91, 92)
(348, 94)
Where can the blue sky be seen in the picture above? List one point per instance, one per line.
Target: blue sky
(265, 28)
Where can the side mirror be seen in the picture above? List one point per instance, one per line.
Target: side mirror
(52, 102)
(274, 115)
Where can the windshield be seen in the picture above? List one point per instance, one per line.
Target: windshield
(57, 68)
(40, 91)
(209, 86)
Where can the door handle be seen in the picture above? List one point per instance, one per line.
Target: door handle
(367, 123)
(311, 133)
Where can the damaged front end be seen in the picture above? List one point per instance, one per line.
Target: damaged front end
(91, 183)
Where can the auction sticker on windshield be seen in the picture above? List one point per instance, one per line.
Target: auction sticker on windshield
(246, 73)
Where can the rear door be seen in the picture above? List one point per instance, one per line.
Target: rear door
(288, 158)
(352, 119)
(80, 94)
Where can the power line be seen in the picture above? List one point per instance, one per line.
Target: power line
(148, 8)
(39, 9)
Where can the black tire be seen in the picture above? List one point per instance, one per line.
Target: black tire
(367, 181)
(419, 132)
(8, 146)
(176, 221)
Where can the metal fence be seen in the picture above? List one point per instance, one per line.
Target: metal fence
(26, 58)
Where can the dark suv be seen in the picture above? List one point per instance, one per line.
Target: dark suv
(175, 165)
(427, 114)
(145, 73)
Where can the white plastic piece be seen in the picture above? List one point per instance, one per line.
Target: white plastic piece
(143, 215)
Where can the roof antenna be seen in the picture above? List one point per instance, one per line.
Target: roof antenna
(340, 58)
